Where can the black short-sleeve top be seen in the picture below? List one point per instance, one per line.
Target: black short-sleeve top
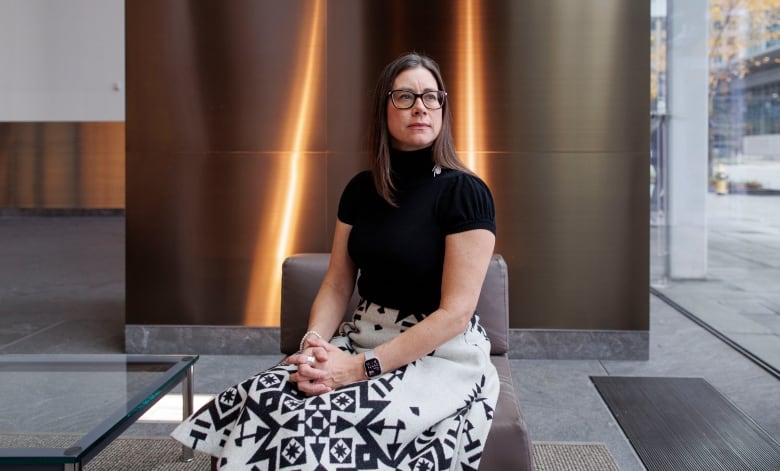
(400, 250)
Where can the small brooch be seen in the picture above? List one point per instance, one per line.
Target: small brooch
(436, 170)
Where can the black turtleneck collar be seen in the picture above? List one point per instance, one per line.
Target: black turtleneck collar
(411, 163)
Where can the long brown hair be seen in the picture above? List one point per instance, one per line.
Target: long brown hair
(444, 154)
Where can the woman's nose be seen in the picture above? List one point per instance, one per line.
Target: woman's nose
(418, 106)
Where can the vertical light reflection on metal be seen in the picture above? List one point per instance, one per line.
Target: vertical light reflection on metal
(470, 117)
(264, 290)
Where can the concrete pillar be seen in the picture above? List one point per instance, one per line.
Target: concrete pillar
(687, 148)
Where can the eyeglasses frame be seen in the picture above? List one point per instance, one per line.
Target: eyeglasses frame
(416, 96)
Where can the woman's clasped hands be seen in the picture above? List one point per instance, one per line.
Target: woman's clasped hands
(322, 367)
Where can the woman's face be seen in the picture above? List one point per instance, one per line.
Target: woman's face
(417, 127)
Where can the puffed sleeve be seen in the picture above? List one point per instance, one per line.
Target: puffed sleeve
(351, 197)
(467, 204)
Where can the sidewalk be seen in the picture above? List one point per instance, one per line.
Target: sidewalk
(741, 296)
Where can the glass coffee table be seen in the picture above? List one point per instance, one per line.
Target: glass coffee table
(60, 411)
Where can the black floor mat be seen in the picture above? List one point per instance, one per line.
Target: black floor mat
(680, 424)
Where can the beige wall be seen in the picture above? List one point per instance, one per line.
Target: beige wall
(62, 104)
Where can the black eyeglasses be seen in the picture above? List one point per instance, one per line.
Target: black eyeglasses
(404, 99)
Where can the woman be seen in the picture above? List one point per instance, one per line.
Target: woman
(408, 383)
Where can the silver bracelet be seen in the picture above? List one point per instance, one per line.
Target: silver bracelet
(303, 339)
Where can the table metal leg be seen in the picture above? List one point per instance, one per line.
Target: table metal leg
(187, 401)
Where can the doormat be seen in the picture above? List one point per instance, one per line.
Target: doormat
(681, 424)
(571, 456)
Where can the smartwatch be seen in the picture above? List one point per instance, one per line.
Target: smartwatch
(372, 365)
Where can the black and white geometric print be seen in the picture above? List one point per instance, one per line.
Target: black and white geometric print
(432, 414)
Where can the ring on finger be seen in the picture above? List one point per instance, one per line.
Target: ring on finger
(310, 360)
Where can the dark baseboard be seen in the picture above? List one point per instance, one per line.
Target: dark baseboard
(562, 344)
(61, 212)
(201, 340)
(524, 344)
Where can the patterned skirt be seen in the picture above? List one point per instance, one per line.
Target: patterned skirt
(432, 414)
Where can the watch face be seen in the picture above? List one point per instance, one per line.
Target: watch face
(373, 368)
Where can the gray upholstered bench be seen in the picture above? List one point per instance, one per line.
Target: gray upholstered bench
(508, 446)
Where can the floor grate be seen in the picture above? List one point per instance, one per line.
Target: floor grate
(682, 424)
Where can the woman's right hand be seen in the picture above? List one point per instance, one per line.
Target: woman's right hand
(340, 369)
(311, 362)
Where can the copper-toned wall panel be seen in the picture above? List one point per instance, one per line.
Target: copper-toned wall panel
(193, 229)
(574, 250)
(219, 76)
(246, 118)
(226, 155)
(579, 77)
(73, 165)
